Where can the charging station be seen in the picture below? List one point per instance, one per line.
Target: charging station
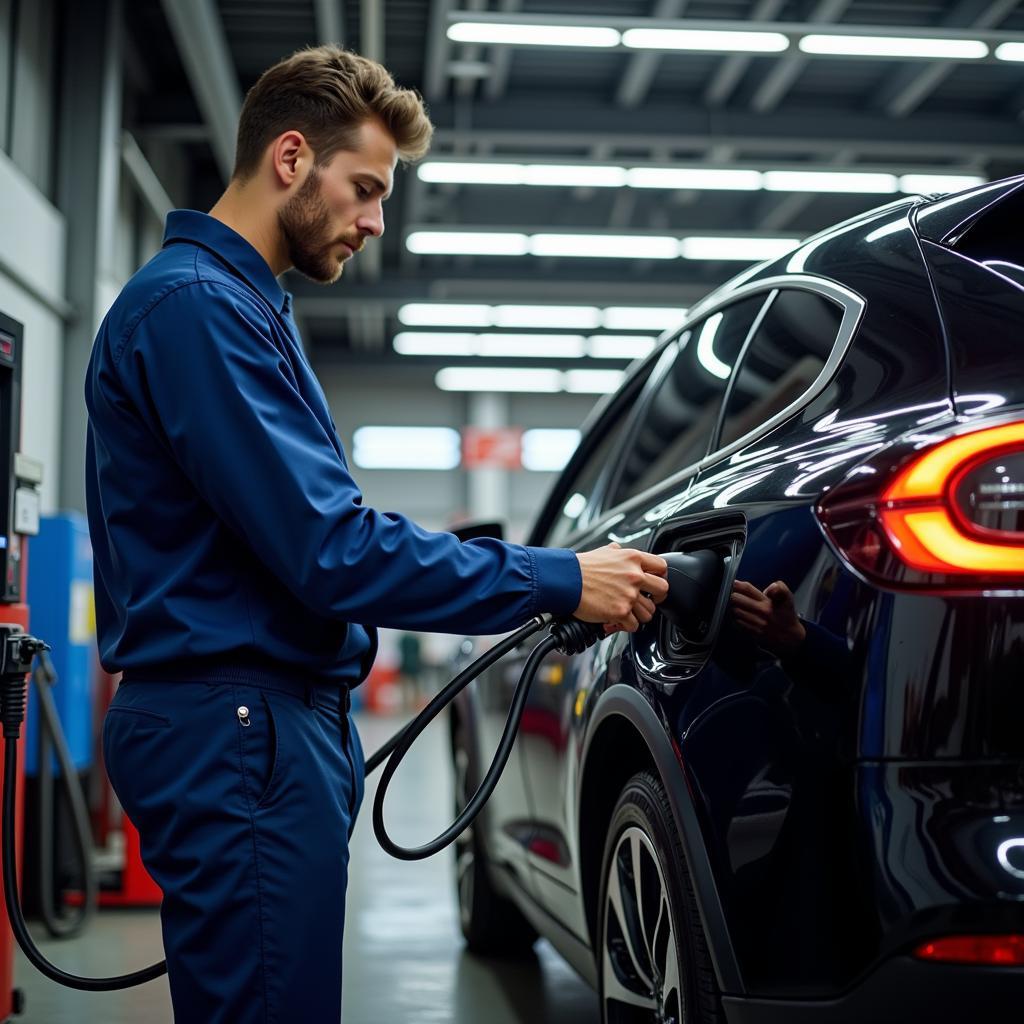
(19, 517)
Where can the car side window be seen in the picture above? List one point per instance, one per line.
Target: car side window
(675, 426)
(781, 361)
(581, 489)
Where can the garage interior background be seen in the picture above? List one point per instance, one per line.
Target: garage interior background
(111, 113)
(577, 199)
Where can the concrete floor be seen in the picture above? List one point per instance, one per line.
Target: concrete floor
(404, 960)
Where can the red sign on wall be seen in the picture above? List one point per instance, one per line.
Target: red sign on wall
(494, 448)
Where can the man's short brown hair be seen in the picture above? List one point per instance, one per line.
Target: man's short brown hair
(328, 93)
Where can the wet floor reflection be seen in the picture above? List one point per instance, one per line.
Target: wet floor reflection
(404, 959)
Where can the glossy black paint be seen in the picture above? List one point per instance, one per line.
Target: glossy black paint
(867, 791)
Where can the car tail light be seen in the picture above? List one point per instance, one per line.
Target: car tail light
(952, 514)
(992, 950)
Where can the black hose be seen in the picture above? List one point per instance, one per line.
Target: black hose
(486, 787)
(50, 731)
(407, 735)
(18, 925)
(571, 637)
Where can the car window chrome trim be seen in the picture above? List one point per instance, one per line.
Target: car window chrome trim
(853, 306)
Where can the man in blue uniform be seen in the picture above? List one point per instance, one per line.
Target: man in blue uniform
(239, 577)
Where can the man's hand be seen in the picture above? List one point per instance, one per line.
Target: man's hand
(621, 587)
(770, 616)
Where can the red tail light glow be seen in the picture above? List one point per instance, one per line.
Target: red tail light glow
(954, 513)
(993, 950)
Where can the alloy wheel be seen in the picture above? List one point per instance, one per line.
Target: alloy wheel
(640, 963)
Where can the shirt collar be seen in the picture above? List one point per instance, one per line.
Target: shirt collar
(231, 247)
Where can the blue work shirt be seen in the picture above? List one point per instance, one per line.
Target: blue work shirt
(227, 530)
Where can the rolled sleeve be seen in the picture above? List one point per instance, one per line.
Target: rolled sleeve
(559, 582)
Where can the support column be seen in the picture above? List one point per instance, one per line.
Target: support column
(488, 487)
(87, 191)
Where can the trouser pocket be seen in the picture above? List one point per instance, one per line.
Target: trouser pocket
(260, 740)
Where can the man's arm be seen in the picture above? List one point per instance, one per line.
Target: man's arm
(232, 415)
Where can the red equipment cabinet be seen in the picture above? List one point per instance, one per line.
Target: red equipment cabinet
(19, 515)
(11, 999)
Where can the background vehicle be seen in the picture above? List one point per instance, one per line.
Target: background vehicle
(707, 830)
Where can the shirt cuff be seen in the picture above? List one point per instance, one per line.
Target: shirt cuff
(558, 582)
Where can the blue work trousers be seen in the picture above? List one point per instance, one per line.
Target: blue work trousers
(244, 795)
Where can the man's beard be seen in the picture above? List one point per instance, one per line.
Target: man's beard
(305, 224)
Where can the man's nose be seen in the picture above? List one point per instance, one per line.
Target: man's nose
(372, 222)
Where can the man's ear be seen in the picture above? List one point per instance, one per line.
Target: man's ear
(287, 155)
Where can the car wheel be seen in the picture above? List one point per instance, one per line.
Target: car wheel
(491, 924)
(654, 964)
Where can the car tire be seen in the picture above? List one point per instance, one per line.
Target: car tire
(653, 961)
(491, 924)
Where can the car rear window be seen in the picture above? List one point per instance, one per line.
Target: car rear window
(995, 239)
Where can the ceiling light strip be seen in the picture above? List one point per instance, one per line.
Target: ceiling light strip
(791, 179)
(733, 36)
(616, 318)
(598, 245)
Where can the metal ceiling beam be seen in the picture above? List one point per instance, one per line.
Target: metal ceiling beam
(909, 86)
(148, 185)
(501, 59)
(371, 29)
(387, 295)
(330, 21)
(199, 36)
(787, 70)
(643, 67)
(558, 125)
(434, 76)
(734, 67)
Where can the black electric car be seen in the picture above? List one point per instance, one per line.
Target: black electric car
(713, 827)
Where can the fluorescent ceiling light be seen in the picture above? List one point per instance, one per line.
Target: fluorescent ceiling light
(486, 378)
(829, 181)
(643, 318)
(468, 243)
(593, 382)
(706, 348)
(1010, 51)
(544, 346)
(548, 451)
(894, 46)
(457, 314)
(914, 184)
(442, 314)
(471, 173)
(619, 346)
(693, 39)
(532, 35)
(646, 247)
(748, 250)
(547, 316)
(579, 175)
(693, 177)
(649, 247)
(432, 343)
(406, 448)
